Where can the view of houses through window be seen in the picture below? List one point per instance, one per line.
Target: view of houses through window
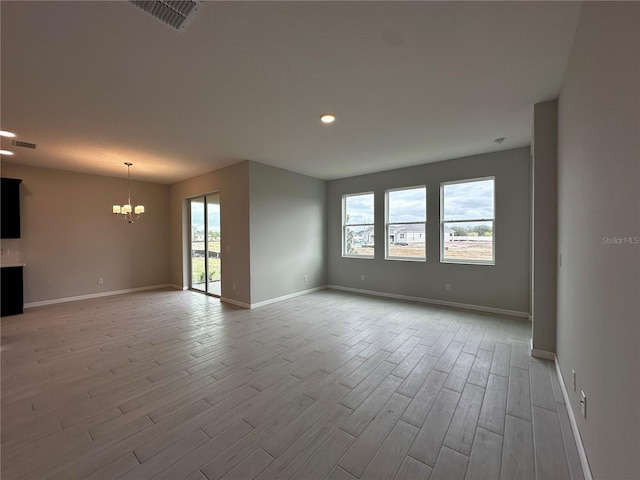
(358, 225)
(467, 221)
(406, 219)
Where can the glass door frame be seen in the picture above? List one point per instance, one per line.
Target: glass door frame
(204, 198)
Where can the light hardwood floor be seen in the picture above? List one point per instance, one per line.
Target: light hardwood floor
(172, 385)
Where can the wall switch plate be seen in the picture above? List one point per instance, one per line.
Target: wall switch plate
(306, 278)
(583, 404)
(573, 379)
(447, 287)
(362, 278)
(100, 281)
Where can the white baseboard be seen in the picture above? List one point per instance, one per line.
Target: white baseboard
(271, 300)
(286, 297)
(235, 302)
(178, 287)
(542, 354)
(96, 295)
(465, 306)
(545, 354)
(584, 461)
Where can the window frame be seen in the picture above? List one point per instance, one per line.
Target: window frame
(468, 220)
(387, 255)
(345, 225)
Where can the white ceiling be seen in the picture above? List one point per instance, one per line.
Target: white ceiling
(96, 84)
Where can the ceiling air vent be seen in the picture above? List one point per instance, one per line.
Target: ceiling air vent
(18, 143)
(176, 14)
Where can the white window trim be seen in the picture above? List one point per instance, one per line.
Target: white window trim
(492, 220)
(386, 226)
(345, 225)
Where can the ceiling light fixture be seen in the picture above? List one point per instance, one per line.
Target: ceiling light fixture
(327, 118)
(6, 133)
(124, 211)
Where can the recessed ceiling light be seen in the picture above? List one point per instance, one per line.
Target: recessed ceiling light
(4, 133)
(328, 118)
(5, 152)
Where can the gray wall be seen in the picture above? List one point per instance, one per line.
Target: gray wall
(544, 150)
(504, 285)
(70, 237)
(288, 232)
(598, 331)
(233, 184)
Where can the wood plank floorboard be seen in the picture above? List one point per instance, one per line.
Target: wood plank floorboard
(429, 441)
(392, 453)
(324, 458)
(176, 385)
(547, 434)
(485, 457)
(412, 469)
(494, 406)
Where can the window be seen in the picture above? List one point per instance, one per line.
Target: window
(405, 223)
(357, 225)
(467, 221)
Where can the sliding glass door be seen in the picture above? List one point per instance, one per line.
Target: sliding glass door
(204, 257)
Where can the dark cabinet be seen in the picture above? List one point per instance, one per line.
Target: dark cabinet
(10, 196)
(11, 302)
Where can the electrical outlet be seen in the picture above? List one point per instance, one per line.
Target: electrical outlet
(362, 278)
(583, 404)
(100, 281)
(306, 278)
(233, 285)
(447, 287)
(573, 379)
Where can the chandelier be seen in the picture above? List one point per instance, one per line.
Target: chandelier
(125, 211)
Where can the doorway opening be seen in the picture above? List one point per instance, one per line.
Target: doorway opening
(205, 264)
